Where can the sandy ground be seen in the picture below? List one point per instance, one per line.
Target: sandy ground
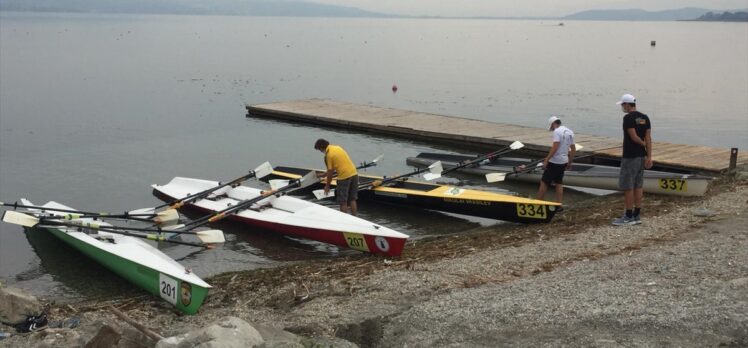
(678, 279)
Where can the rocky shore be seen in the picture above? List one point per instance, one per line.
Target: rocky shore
(679, 279)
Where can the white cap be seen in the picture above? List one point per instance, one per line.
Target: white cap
(627, 98)
(551, 120)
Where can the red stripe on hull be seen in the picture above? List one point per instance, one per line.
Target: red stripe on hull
(379, 245)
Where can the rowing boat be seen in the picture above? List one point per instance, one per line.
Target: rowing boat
(445, 198)
(581, 174)
(290, 216)
(131, 258)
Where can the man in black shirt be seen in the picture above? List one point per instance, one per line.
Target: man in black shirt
(637, 155)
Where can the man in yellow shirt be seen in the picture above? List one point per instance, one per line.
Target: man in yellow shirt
(337, 161)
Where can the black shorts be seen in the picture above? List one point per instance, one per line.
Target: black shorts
(346, 190)
(554, 173)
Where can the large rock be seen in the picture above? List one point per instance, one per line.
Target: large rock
(16, 306)
(229, 333)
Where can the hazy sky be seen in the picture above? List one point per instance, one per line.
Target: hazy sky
(512, 8)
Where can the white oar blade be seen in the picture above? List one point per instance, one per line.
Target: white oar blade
(320, 194)
(14, 217)
(495, 177)
(211, 236)
(516, 145)
(436, 167)
(309, 179)
(166, 217)
(432, 176)
(263, 170)
(278, 184)
(379, 158)
(578, 147)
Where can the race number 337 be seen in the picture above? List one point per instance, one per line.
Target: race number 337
(674, 185)
(167, 287)
(533, 211)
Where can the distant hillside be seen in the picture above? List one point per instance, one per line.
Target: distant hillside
(741, 16)
(197, 7)
(639, 15)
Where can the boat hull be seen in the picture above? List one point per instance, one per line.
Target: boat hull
(448, 199)
(349, 234)
(186, 297)
(129, 257)
(581, 175)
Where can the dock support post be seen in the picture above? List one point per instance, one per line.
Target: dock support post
(733, 158)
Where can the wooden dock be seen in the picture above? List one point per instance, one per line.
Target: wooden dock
(477, 133)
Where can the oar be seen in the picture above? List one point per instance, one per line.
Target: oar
(373, 162)
(526, 168)
(261, 171)
(161, 217)
(305, 181)
(13, 217)
(434, 172)
(513, 146)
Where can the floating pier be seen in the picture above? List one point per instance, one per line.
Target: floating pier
(482, 134)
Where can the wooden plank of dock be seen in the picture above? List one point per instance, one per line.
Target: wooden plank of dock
(449, 129)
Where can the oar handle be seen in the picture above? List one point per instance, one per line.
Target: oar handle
(386, 180)
(56, 221)
(479, 159)
(125, 233)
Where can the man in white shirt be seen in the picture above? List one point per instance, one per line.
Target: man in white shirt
(559, 158)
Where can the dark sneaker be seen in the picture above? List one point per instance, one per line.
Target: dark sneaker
(637, 220)
(623, 221)
(33, 323)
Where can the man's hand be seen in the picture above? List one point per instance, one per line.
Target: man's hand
(648, 163)
(545, 163)
(568, 165)
(327, 189)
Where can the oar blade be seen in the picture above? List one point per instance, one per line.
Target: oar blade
(211, 236)
(277, 184)
(377, 159)
(516, 145)
(320, 194)
(436, 167)
(308, 180)
(263, 170)
(431, 176)
(166, 217)
(578, 147)
(16, 218)
(495, 177)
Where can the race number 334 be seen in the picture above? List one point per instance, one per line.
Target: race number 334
(533, 211)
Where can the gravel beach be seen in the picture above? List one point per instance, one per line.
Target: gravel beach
(678, 279)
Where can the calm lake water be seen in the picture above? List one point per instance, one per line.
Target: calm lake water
(96, 108)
